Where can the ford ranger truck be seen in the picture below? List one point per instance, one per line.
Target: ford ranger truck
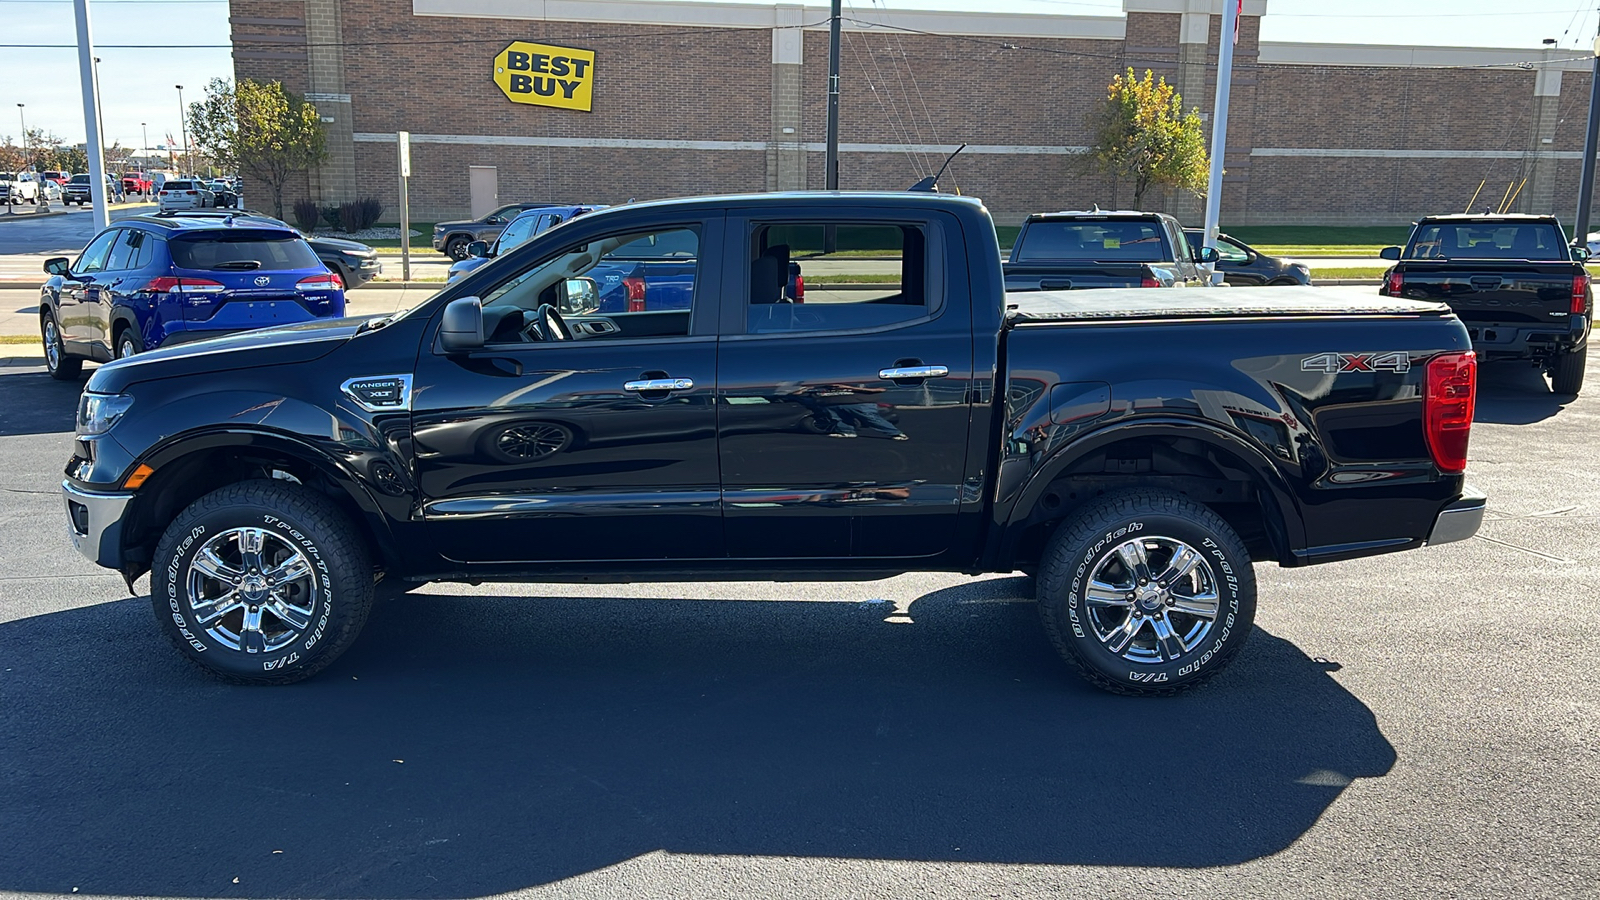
(1139, 452)
(1522, 292)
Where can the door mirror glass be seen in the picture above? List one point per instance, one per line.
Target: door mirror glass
(461, 326)
(57, 265)
(1581, 254)
(578, 296)
(1390, 253)
(1207, 255)
(479, 249)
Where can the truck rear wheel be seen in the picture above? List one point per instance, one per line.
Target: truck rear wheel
(1566, 372)
(261, 583)
(1146, 592)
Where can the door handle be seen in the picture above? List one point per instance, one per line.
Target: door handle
(659, 384)
(898, 373)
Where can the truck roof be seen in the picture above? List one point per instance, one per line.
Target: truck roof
(1093, 212)
(1487, 217)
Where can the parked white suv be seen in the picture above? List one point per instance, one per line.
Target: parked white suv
(184, 193)
(16, 187)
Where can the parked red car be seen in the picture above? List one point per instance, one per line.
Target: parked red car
(60, 178)
(136, 183)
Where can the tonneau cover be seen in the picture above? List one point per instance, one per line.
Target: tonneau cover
(1214, 302)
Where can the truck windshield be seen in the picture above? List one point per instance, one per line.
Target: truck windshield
(1127, 240)
(1487, 240)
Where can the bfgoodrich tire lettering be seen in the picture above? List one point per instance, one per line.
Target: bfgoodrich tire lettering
(1146, 592)
(261, 583)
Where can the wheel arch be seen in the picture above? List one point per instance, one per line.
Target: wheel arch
(1196, 453)
(190, 465)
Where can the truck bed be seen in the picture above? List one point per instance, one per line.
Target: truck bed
(1222, 303)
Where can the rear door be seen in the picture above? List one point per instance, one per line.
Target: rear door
(842, 420)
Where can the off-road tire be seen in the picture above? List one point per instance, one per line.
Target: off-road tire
(66, 368)
(1566, 372)
(341, 586)
(1091, 535)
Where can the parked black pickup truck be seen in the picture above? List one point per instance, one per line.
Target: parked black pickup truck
(1139, 450)
(1522, 292)
(1078, 250)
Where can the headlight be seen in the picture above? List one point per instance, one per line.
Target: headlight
(98, 412)
(1302, 267)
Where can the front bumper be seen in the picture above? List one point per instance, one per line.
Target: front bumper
(95, 523)
(1461, 519)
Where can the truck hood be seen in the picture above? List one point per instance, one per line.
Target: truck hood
(264, 347)
(339, 244)
(460, 223)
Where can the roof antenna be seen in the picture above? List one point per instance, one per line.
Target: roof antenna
(931, 183)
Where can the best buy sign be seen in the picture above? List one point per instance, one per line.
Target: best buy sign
(546, 75)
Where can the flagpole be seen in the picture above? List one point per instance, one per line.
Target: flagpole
(1219, 123)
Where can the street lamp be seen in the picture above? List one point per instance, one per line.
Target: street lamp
(183, 126)
(24, 117)
(144, 145)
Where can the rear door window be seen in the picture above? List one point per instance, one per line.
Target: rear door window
(122, 252)
(242, 251)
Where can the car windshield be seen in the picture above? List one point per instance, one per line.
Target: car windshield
(1488, 240)
(242, 250)
(80, 179)
(1126, 240)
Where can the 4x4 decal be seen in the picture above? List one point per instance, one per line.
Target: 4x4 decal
(1336, 363)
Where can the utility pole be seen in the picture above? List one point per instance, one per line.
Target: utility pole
(26, 153)
(91, 117)
(1580, 230)
(830, 237)
(1219, 123)
(183, 126)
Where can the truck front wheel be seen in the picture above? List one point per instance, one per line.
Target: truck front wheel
(1566, 372)
(1146, 592)
(260, 582)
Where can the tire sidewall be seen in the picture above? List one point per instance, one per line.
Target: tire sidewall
(1230, 566)
(169, 591)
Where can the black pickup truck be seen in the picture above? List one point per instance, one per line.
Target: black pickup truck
(1065, 251)
(1137, 450)
(1522, 292)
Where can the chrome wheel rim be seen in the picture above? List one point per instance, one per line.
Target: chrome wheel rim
(125, 349)
(251, 590)
(1152, 600)
(52, 344)
(531, 441)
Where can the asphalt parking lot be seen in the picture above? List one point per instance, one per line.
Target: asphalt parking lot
(1419, 725)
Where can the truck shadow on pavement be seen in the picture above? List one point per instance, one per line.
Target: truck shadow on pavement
(1515, 393)
(35, 403)
(469, 746)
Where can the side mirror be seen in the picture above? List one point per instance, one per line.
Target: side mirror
(1581, 254)
(461, 326)
(1207, 255)
(577, 296)
(57, 265)
(494, 220)
(479, 249)
(1390, 253)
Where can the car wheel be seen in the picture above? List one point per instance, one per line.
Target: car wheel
(261, 583)
(1566, 372)
(61, 366)
(1146, 592)
(128, 342)
(456, 248)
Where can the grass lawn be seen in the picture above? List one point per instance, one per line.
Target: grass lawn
(19, 339)
(1320, 240)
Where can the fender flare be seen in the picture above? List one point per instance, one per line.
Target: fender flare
(1284, 508)
(179, 446)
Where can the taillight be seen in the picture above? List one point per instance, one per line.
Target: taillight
(1148, 281)
(1580, 294)
(1394, 283)
(190, 193)
(163, 193)
(328, 281)
(1448, 398)
(170, 284)
(799, 289)
(634, 285)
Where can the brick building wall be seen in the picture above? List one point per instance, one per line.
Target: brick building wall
(702, 98)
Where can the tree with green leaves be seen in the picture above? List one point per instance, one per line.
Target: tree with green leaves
(260, 130)
(1142, 133)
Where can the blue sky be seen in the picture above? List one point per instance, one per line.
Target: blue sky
(137, 85)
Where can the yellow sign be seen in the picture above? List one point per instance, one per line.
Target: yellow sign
(546, 75)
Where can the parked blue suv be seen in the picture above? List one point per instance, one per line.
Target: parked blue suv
(147, 282)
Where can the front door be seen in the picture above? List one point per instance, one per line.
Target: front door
(843, 413)
(589, 436)
(80, 290)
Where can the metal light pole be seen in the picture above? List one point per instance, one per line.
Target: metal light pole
(830, 235)
(91, 117)
(1219, 125)
(144, 145)
(1580, 229)
(183, 126)
(25, 152)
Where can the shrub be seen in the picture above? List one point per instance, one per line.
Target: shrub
(330, 214)
(306, 214)
(358, 215)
